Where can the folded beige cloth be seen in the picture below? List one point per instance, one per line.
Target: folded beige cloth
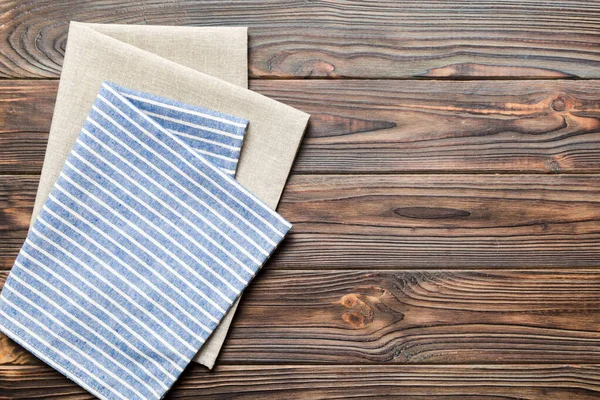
(206, 67)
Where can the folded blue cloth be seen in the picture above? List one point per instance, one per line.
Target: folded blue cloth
(217, 137)
(142, 246)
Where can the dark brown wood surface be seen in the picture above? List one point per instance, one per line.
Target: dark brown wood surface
(446, 238)
(313, 382)
(364, 126)
(408, 221)
(409, 317)
(359, 39)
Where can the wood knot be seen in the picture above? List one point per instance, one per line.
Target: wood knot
(360, 314)
(317, 68)
(355, 320)
(431, 212)
(350, 300)
(559, 104)
(554, 166)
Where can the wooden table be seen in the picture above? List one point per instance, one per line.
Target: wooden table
(446, 198)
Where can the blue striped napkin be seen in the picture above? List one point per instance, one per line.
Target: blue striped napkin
(142, 246)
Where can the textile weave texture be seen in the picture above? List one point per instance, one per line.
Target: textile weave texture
(203, 66)
(140, 249)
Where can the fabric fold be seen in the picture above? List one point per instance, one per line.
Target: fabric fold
(204, 67)
(140, 248)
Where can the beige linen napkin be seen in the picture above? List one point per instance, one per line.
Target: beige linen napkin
(206, 67)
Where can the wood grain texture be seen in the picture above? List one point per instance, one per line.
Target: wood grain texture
(408, 221)
(420, 126)
(312, 382)
(25, 115)
(441, 221)
(409, 317)
(17, 195)
(372, 39)
(360, 126)
(418, 317)
(412, 271)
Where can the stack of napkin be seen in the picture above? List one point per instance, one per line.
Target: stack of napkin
(155, 206)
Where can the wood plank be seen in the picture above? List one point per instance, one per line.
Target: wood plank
(441, 221)
(387, 126)
(25, 115)
(409, 317)
(17, 195)
(549, 382)
(416, 317)
(421, 126)
(443, 382)
(408, 221)
(384, 39)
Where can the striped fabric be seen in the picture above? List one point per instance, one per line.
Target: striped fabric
(141, 247)
(216, 136)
